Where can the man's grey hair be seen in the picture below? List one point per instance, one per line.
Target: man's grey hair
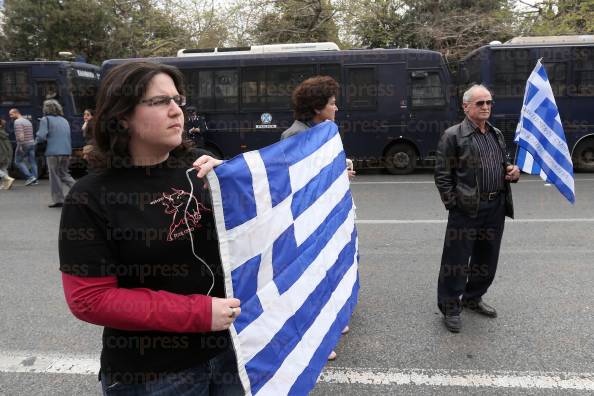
(467, 97)
(52, 107)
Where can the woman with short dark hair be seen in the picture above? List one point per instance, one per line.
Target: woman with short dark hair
(127, 239)
(314, 101)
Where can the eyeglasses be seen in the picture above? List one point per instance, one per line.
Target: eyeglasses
(164, 100)
(481, 103)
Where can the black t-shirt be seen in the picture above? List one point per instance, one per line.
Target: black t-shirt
(129, 223)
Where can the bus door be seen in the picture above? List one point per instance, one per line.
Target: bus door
(373, 110)
(43, 89)
(431, 109)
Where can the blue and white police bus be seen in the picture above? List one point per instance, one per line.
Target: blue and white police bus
(25, 85)
(569, 61)
(393, 104)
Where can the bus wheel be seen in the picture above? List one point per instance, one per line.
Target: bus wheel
(583, 156)
(401, 159)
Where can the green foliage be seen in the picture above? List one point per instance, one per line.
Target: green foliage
(452, 27)
(105, 29)
(562, 17)
(97, 29)
(297, 21)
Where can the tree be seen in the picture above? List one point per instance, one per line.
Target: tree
(98, 29)
(453, 27)
(206, 23)
(40, 29)
(294, 21)
(558, 17)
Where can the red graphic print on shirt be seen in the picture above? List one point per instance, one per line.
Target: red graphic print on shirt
(175, 205)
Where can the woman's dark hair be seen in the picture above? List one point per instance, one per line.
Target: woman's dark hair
(121, 90)
(311, 95)
(90, 111)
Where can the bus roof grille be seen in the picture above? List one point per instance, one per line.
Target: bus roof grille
(259, 49)
(548, 40)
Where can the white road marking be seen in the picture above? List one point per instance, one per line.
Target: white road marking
(41, 362)
(466, 378)
(507, 221)
(433, 182)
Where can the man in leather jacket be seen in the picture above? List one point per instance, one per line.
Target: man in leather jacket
(473, 177)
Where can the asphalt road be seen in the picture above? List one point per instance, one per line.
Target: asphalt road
(543, 292)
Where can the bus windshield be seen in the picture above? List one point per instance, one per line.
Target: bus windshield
(84, 86)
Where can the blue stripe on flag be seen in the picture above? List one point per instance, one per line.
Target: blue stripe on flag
(237, 193)
(530, 93)
(317, 186)
(266, 362)
(245, 278)
(521, 161)
(547, 111)
(273, 156)
(307, 379)
(551, 176)
(303, 144)
(250, 311)
(284, 251)
(548, 146)
(543, 73)
(311, 247)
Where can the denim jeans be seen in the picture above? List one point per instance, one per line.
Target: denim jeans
(217, 377)
(24, 159)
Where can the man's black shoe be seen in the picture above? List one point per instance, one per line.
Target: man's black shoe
(56, 205)
(452, 323)
(481, 308)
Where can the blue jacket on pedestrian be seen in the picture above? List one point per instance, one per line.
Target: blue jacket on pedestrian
(56, 130)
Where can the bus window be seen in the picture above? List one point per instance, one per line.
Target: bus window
(47, 89)
(473, 66)
(331, 70)
(334, 72)
(14, 87)
(84, 91)
(282, 80)
(557, 73)
(205, 90)
(226, 87)
(361, 88)
(584, 72)
(252, 88)
(511, 68)
(426, 89)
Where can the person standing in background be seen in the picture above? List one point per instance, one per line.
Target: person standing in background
(196, 126)
(24, 157)
(5, 157)
(86, 132)
(473, 177)
(55, 129)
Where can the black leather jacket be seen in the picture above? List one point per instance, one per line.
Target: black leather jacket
(458, 170)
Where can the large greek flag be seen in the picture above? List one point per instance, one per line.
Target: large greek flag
(542, 149)
(286, 227)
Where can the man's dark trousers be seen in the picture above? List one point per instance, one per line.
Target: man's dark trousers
(470, 254)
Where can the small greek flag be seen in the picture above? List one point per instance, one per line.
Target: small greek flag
(286, 226)
(542, 148)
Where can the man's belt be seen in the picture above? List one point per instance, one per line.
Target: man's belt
(490, 196)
